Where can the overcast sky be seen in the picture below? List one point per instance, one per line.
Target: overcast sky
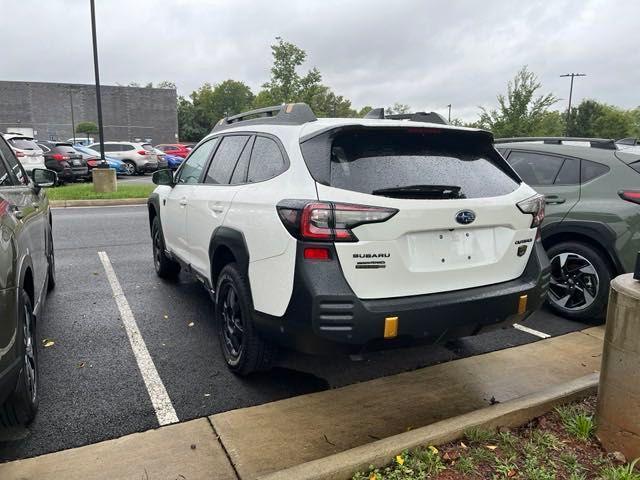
(375, 52)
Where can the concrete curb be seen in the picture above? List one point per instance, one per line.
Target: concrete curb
(513, 413)
(97, 202)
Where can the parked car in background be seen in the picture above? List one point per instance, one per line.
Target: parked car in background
(175, 149)
(84, 141)
(162, 160)
(592, 195)
(173, 162)
(26, 151)
(370, 246)
(62, 158)
(92, 157)
(27, 273)
(139, 158)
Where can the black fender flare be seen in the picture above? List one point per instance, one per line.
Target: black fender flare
(235, 242)
(153, 203)
(598, 232)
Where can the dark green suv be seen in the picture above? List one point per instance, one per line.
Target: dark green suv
(27, 271)
(592, 226)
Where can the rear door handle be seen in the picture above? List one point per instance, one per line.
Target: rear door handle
(184, 201)
(554, 200)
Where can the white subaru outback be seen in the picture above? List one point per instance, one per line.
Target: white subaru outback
(343, 234)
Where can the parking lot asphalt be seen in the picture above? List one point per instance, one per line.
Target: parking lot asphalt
(91, 387)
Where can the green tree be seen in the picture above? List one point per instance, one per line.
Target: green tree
(520, 111)
(166, 84)
(614, 123)
(549, 124)
(582, 118)
(594, 119)
(397, 108)
(86, 128)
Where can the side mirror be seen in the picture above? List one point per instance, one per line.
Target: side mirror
(44, 178)
(163, 177)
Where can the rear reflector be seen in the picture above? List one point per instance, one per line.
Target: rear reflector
(317, 254)
(630, 195)
(522, 304)
(390, 327)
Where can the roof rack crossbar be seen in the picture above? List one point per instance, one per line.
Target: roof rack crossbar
(604, 143)
(285, 114)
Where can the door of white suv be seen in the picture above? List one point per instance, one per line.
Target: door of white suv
(174, 211)
(210, 200)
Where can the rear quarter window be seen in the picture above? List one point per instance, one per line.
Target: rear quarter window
(591, 170)
(369, 160)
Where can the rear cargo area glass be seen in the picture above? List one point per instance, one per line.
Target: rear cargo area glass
(370, 160)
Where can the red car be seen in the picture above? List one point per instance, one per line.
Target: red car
(177, 149)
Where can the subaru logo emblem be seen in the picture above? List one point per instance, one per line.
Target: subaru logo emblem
(465, 217)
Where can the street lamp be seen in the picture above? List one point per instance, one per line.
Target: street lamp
(449, 113)
(103, 163)
(572, 75)
(73, 123)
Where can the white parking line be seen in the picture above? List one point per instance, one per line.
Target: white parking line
(157, 392)
(517, 326)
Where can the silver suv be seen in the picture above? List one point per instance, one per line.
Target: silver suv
(138, 158)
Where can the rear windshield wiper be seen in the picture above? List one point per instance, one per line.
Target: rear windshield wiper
(421, 191)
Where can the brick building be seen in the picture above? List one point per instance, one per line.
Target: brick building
(129, 113)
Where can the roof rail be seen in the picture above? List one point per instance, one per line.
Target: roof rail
(604, 143)
(431, 117)
(285, 114)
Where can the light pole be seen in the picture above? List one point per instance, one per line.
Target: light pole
(103, 163)
(572, 75)
(449, 113)
(73, 123)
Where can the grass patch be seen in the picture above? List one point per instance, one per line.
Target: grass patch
(84, 191)
(558, 445)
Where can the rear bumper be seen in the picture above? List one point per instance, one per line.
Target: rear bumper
(325, 315)
(149, 167)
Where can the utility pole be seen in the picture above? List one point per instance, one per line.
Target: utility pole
(73, 123)
(449, 112)
(104, 163)
(572, 75)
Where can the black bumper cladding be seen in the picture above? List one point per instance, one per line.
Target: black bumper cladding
(325, 315)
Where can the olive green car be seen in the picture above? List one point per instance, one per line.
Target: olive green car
(592, 226)
(27, 272)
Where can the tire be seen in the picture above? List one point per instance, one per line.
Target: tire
(130, 167)
(243, 349)
(580, 279)
(51, 264)
(165, 266)
(22, 405)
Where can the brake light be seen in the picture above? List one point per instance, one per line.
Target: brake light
(59, 157)
(328, 221)
(142, 152)
(534, 206)
(19, 154)
(630, 195)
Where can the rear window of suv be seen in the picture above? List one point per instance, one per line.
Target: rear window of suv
(409, 163)
(23, 144)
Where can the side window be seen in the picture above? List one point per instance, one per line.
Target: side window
(225, 159)
(591, 170)
(194, 165)
(535, 168)
(108, 147)
(5, 179)
(240, 172)
(126, 148)
(569, 173)
(13, 164)
(44, 148)
(266, 160)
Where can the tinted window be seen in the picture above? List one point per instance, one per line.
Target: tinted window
(147, 146)
(44, 148)
(108, 147)
(591, 170)
(194, 165)
(240, 172)
(225, 159)
(126, 148)
(13, 164)
(266, 160)
(410, 163)
(535, 168)
(569, 173)
(5, 178)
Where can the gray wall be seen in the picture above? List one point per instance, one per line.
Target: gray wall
(128, 112)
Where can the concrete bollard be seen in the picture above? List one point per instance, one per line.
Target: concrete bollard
(618, 412)
(104, 180)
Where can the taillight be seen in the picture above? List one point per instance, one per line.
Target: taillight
(328, 221)
(534, 206)
(59, 157)
(630, 195)
(142, 152)
(19, 154)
